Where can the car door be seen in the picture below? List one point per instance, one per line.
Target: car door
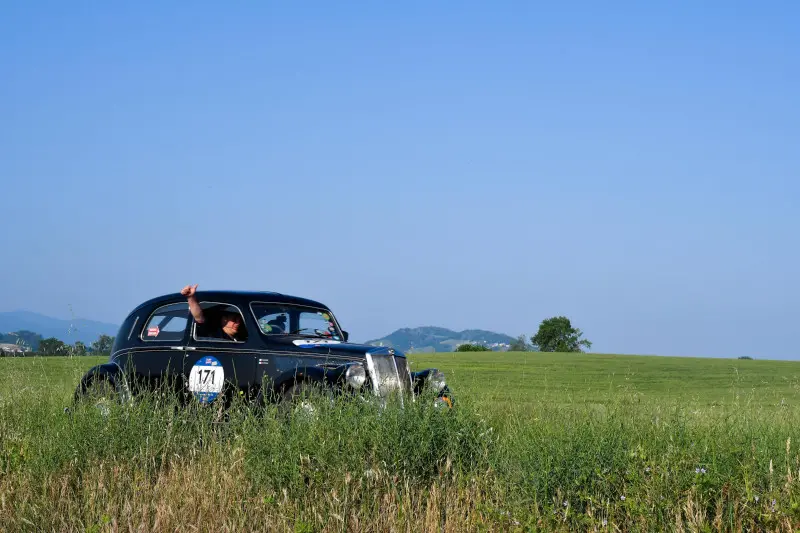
(157, 361)
(214, 367)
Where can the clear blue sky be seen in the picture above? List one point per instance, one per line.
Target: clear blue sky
(468, 165)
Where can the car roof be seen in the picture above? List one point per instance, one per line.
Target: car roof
(233, 297)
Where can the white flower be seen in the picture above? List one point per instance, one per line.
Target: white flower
(622, 497)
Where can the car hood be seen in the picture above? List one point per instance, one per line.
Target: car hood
(345, 349)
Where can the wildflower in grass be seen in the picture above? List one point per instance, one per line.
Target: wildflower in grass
(647, 469)
(605, 522)
(622, 497)
(756, 498)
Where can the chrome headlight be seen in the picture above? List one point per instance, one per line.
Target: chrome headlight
(355, 376)
(436, 380)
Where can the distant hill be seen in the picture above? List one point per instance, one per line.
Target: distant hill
(434, 339)
(68, 331)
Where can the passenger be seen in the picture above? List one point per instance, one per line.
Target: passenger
(230, 326)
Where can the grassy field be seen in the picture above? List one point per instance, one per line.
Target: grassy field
(568, 378)
(520, 378)
(538, 442)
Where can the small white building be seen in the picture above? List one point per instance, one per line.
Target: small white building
(13, 348)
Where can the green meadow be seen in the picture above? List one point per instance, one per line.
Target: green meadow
(536, 442)
(520, 378)
(564, 379)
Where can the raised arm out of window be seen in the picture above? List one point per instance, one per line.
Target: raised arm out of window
(197, 311)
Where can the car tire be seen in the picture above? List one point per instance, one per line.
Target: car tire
(100, 393)
(299, 398)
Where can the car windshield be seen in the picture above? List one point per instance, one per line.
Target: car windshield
(288, 319)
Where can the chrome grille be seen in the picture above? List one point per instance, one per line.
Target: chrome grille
(384, 375)
(402, 370)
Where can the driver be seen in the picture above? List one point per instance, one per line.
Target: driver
(278, 324)
(230, 326)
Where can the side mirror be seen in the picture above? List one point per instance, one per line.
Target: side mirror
(345, 335)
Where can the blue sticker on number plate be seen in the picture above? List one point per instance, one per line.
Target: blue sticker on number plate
(206, 379)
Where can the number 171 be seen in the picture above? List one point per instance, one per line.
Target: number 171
(209, 373)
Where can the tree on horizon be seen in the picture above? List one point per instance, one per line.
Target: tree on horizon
(556, 334)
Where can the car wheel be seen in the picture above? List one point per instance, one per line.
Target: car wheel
(100, 394)
(299, 399)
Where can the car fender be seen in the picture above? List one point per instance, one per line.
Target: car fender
(419, 378)
(108, 371)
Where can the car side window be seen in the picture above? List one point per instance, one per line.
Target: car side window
(223, 323)
(166, 324)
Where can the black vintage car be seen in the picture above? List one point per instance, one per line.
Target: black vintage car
(286, 346)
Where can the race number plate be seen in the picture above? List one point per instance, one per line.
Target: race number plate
(206, 379)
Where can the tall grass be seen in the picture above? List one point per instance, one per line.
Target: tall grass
(352, 466)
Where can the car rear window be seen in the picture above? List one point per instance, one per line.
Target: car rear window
(167, 323)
